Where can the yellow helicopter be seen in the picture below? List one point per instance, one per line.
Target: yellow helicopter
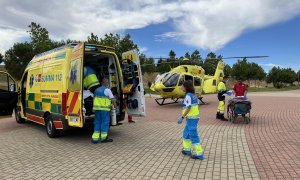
(168, 85)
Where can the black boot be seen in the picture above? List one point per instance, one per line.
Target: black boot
(107, 140)
(218, 115)
(223, 118)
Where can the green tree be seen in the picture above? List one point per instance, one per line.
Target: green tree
(151, 66)
(172, 55)
(162, 66)
(298, 77)
(288, 76)
(240, 70)
(187, 56)
(17, 58)
(40, 40)
(210, 64)
(227, 70)
(93, 39)
(255, 72)
(1, 58)
(281, 76)
(120, 45)
(195, 56)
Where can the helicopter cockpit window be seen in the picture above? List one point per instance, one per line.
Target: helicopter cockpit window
(181, 80)
(171, 79)
(197, 81)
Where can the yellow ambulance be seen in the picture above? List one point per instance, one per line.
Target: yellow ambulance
(51, 90)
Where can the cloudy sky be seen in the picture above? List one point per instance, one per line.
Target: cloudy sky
(230, 27)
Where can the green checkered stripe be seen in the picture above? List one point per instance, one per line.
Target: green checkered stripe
(32, 103)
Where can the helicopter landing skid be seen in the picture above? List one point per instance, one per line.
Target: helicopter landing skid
(161, 101)
(201, 101)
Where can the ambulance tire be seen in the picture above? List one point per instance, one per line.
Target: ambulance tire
(18, 117)
(52, 132)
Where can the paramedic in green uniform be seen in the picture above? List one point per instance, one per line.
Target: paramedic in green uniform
(222, 90)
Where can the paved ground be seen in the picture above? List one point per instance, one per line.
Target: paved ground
(267, 148)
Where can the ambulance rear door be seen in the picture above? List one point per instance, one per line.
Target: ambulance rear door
(133, 88)
(8, 95)
(74, 90)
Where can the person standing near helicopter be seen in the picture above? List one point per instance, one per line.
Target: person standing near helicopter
(190, 111)
(222, 90)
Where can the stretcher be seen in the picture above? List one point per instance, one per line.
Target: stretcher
(239, 107)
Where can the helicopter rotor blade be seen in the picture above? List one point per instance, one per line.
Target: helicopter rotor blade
(237, 57)
(180, 61)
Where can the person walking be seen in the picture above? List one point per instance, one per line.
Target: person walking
(190, 111)
(222, 90)
(103, 99)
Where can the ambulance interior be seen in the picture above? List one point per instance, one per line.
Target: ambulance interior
(105, 67)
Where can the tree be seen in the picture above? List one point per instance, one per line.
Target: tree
(172, 55)
(1, 58)
(210, 64)
(187, 56)
(119, 44)
(240, 70)
(162, 67)
(17, 58)
(151, 66)
(195, 56)
(40, 40)
(255, 72)
(227, 70)
(93, 39)
(281, 76)
(298, 77)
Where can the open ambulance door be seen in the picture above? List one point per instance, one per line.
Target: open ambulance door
(8, 95)
(74, 90)
(133, 88)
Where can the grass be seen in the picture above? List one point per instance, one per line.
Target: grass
(268, 89)
(251, 89)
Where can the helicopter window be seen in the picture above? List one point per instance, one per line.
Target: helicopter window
(180, 82)
(197, 81)
(171, 79)
(214, 83)
(188, 78)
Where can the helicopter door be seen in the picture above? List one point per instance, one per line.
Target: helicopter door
(197, 85)
(8, 95)
(133, 88)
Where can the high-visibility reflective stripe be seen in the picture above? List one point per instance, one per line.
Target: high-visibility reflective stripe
(96, 135)
(186, 143)
(192, 117)
(104, 97)
(103, 135)
(102, 103)
(93, 84)
(198, 150)
(90, 81)
(102, 106)
(221, 107)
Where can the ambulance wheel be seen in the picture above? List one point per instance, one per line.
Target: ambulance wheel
(18, 117)
(52, 132)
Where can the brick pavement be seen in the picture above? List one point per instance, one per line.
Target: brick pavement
(274, 136)
(150, 148)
